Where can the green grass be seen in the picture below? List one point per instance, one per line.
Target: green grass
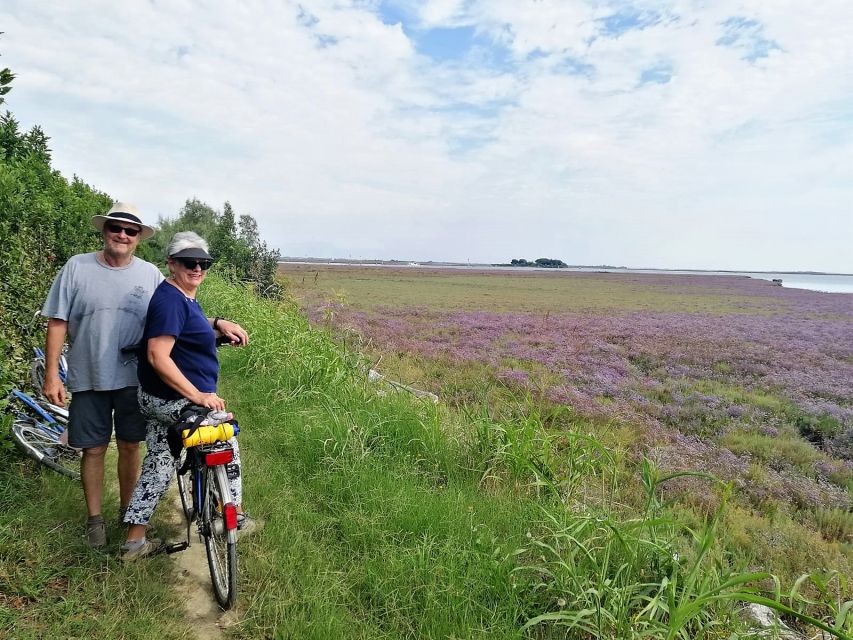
(739, 395)
(53, 586)
(778, 452)
(388, 517)
(368, 288)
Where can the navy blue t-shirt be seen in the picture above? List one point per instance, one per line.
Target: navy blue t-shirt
(171, 313)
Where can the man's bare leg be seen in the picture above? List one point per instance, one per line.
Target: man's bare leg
(92, 477)
(127, 469)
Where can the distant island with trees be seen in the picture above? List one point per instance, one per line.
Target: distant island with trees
(552, 263)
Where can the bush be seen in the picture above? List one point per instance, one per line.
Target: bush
(44, 220)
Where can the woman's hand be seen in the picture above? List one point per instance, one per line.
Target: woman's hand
(234, 332)
(209, 401)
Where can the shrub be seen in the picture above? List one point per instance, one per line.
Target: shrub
(44, 220)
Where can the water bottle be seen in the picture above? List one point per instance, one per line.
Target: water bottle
(209, 435)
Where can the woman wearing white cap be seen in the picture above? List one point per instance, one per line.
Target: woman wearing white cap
(179, 367)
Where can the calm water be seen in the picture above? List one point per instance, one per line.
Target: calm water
(814, 282)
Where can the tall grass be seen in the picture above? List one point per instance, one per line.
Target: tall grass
(388, 517)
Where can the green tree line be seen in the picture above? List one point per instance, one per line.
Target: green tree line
(539, 262)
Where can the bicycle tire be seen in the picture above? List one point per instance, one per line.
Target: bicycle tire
(220, 544)
(44, 447)
(37, 374)
(184, 486)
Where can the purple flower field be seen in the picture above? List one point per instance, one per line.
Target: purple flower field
(709, 390)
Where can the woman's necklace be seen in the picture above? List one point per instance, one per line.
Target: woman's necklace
(174, 283)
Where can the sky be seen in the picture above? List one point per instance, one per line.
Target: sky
(681, 134)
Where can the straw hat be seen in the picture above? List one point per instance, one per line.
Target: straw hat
(123, 212)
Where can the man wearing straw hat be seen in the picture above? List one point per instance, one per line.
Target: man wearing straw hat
(100, 300)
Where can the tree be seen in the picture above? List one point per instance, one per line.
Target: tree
(6, 77)
(550, 262)
(249, 230)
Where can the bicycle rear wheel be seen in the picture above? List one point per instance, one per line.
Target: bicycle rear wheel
(43, 446)
(184, 486)
(220, 543)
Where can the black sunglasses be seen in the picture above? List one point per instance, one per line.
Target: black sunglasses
(117, 228)
(192, 263)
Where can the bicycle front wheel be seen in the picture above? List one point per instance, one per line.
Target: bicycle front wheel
(220, 543)
(43, 446)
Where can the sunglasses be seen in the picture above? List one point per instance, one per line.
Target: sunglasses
(117, 228)
(192, 263)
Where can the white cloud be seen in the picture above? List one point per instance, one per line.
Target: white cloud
(342, 139)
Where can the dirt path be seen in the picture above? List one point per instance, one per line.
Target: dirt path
(193, 583)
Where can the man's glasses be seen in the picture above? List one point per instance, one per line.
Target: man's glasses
(117, 228)
(192, 263)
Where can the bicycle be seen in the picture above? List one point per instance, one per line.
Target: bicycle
(38, 430)
(203, 485)
(37, 367)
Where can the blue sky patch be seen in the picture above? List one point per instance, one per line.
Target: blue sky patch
(658, 74)
(575, 67)
(445, 44)
(626, 20)
(748, 36)
(393, 13)
(181, 52)
(306, 18)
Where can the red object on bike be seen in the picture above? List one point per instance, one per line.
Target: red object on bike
(219, 457)
(230, 512)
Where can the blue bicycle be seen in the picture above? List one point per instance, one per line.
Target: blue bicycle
(38, 427)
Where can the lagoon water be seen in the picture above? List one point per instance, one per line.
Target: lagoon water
(827, 283)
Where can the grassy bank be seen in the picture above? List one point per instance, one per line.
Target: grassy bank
(387, 517)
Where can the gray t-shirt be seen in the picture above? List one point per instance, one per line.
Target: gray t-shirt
(105, 309)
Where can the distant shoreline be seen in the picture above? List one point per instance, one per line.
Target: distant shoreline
(476, 265)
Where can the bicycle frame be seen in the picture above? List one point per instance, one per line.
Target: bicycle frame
(48, 423)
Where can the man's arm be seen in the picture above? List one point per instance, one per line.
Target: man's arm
(53, 389)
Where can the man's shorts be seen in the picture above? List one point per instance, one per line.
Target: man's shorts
(92, 413)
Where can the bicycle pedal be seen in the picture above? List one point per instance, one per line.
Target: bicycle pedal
(176, 547)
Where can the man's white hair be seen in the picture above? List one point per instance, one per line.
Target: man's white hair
(185, 240)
